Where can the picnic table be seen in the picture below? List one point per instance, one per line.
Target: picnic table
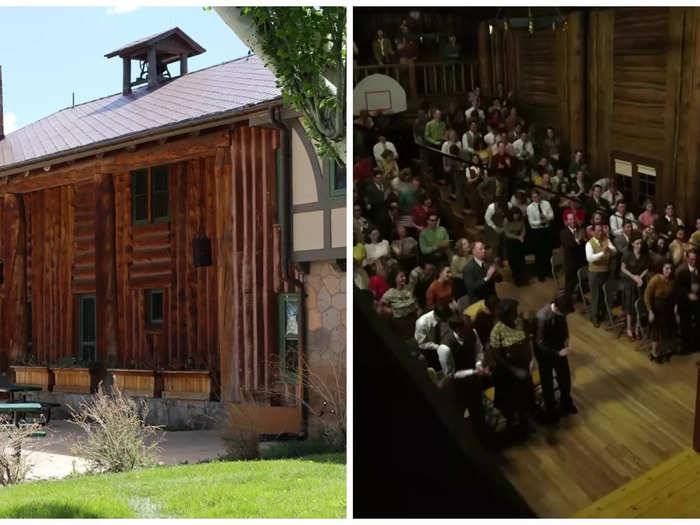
(18, 412)
(21, 390)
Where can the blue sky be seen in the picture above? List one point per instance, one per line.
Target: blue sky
(46, 54)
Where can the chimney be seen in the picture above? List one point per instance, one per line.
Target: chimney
(2, 125)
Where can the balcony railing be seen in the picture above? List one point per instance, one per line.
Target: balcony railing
(421, 79)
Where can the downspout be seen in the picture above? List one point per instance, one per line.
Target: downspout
(286, 235)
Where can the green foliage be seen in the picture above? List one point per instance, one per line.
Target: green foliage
(298, 448)
(310, 487)
(306, 48)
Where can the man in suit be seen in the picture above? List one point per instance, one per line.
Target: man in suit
(573, 245)
(596, 202)
(375, 197)
(551, 351)
(686, 286)
(381, 48)
(480, 277)
(667, 225)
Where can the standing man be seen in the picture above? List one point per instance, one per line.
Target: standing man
(382, 146)
(573, 242)
(480, 277)
(599, 254)
(434, 136)
(540, 216)
(381, 48)
(551, 351)
(434, 241)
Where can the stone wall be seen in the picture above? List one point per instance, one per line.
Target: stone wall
(326, 327)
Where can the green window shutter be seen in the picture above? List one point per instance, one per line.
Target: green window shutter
(288, 337)
(160, 196)
(139, 196)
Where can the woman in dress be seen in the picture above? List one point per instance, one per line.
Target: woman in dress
(659, 302)
(512, 352)
(635, 267)
(514, 230)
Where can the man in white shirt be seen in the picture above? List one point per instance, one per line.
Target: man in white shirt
(599, 254)
(475, 111)
(523, 148)
(470, 139)
(540, 216)
(617, 219)
(490, 136)
(383, 145)
(427, 334)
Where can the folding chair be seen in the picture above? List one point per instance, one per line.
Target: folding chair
(612, 291)
(641, 317)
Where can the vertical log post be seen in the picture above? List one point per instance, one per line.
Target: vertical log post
(183, 64)
(152, 68)
(696, 436)
(575, 81)
(224, 272)
(15, 269)
(105, 272)
(484, 58)
(498, 56)
(126, 81)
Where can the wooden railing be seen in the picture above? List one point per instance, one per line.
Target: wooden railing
(421, 79)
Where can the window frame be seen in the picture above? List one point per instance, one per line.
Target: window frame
(634, 202)
(150, 193)
(151, 322)
(286, 376)
(333, 192)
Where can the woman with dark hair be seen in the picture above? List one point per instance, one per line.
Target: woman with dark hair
(377, 247)
(635, 267)
(659, 302)
(440, 290)
(658, 255)
(514, 231)
(511, 350)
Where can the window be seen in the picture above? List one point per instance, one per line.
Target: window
(155, 307)
(149, 195)
(87, 328)
(637, 178)
(338, 179)
(288, 308)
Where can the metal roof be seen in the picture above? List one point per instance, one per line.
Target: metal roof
(174, 33)
(228, 88)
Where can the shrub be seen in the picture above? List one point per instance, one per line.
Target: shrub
(13, 463)
(240, 434)
(295, 448)
(117, 438)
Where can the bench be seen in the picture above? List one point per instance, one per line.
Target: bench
(18, 412)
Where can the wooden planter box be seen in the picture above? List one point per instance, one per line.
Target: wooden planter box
(78, 380)
(136, 383)
(186, 384)
(33, 375)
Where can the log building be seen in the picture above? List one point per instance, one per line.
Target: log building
(175, 226)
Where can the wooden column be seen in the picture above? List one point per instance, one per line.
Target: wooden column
(183, 64)
(575, 81)
(152, 68)
(484, 58)
(126, 81)
(696, 435)
(106, 270)
(498, 57)
(15, 277)
(224, 272)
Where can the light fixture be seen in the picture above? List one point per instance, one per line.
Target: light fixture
(490, 29)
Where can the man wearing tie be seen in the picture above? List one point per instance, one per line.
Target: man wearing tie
(540, 216)
(381, 47)
(573, 247)
(686, 286)
(479, 277)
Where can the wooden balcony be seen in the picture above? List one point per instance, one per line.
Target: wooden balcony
(426, 79)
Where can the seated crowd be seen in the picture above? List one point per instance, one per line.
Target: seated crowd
(435, 283)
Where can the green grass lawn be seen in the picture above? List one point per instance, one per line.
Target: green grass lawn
(308, 487)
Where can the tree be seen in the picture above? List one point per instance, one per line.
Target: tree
(305, 49)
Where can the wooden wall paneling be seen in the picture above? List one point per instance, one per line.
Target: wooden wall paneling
(14, 258)
(124, 249)
(575, 80)
(484, 46)
(257, 175)
(691, 76)
(177, 223)
(224, 270)
(497, 54)
(246, 197)
(68, 333)
(674, 50)
(36, 212)
(193, 212)
(106, 270)
(560, 74)
(238, 262)
(606, 20)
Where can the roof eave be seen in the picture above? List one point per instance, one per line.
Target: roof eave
(183, 126)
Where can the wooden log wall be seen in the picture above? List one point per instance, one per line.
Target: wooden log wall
(650, 57)
(223, 317)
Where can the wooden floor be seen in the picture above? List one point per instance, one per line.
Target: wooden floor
(670, 490)
(633, 416)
